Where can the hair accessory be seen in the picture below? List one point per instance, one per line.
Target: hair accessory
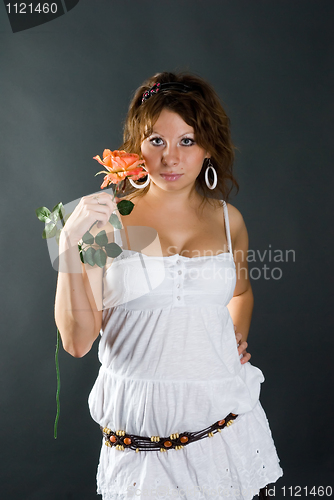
(214, 184)
(140, 186)
(181, 87)
(151, 91)
(121, 440)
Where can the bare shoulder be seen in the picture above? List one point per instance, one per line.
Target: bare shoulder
(234, 215)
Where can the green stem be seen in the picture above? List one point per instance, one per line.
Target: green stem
(58, 384)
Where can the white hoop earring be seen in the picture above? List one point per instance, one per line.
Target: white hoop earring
(214, 184)
(140, 186)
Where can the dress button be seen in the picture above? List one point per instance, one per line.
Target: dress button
(178, 297)
(179, 272)
(178, 285)
(178, 261)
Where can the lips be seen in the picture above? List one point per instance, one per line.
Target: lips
(171, 177)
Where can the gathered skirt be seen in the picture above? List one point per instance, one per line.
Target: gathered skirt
(234, 463)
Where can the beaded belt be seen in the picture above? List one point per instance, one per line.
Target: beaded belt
(121, 440)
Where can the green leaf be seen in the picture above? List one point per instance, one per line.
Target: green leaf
(59, 209)
(82, 254)
(50, 230)
(125, 207)
(114, 220)
(101, 239)
(54, 217)
(42, 213)
(100, 257)
(88, 238)
(113, 250)
(89, 256)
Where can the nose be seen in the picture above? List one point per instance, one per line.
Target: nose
(170, 156)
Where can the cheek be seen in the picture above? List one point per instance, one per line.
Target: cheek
(146, 150)
(150, 156)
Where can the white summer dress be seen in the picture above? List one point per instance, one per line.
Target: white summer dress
(170, 365)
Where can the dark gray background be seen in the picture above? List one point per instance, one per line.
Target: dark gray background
(65, 88)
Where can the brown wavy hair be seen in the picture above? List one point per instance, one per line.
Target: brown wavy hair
(201, 109)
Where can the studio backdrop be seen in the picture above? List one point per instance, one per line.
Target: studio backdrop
(67, 77)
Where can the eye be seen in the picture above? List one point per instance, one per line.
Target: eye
(190, 143)
(152, 141)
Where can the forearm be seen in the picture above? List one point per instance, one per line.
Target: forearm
(73, 312)
(241, 308)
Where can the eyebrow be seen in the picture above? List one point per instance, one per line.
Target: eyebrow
(185, 133)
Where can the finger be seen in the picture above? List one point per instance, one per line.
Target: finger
(100, 203)
(245, 358)
(99, 210)
(96, 213)
(242, 347)
(238, 337)
(102, 218)
(103, 199)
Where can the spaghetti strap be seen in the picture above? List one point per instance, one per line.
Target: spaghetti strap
(117, 237)
(227, 227)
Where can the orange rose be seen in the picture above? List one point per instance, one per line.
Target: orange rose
(119, 165)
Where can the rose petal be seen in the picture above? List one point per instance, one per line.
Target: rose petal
(137, 171)
(106, 152)
(134, 165)
(135, 177)
(98, 159)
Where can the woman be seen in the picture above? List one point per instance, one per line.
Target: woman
(171, 379)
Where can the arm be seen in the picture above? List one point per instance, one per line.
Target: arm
(241, 304)
(76, 313)
(78, 305)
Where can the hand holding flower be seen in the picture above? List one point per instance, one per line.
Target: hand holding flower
(90, 210)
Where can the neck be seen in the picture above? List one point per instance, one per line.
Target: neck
(173, 201)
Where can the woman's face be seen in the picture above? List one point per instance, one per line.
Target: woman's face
(172, 157)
